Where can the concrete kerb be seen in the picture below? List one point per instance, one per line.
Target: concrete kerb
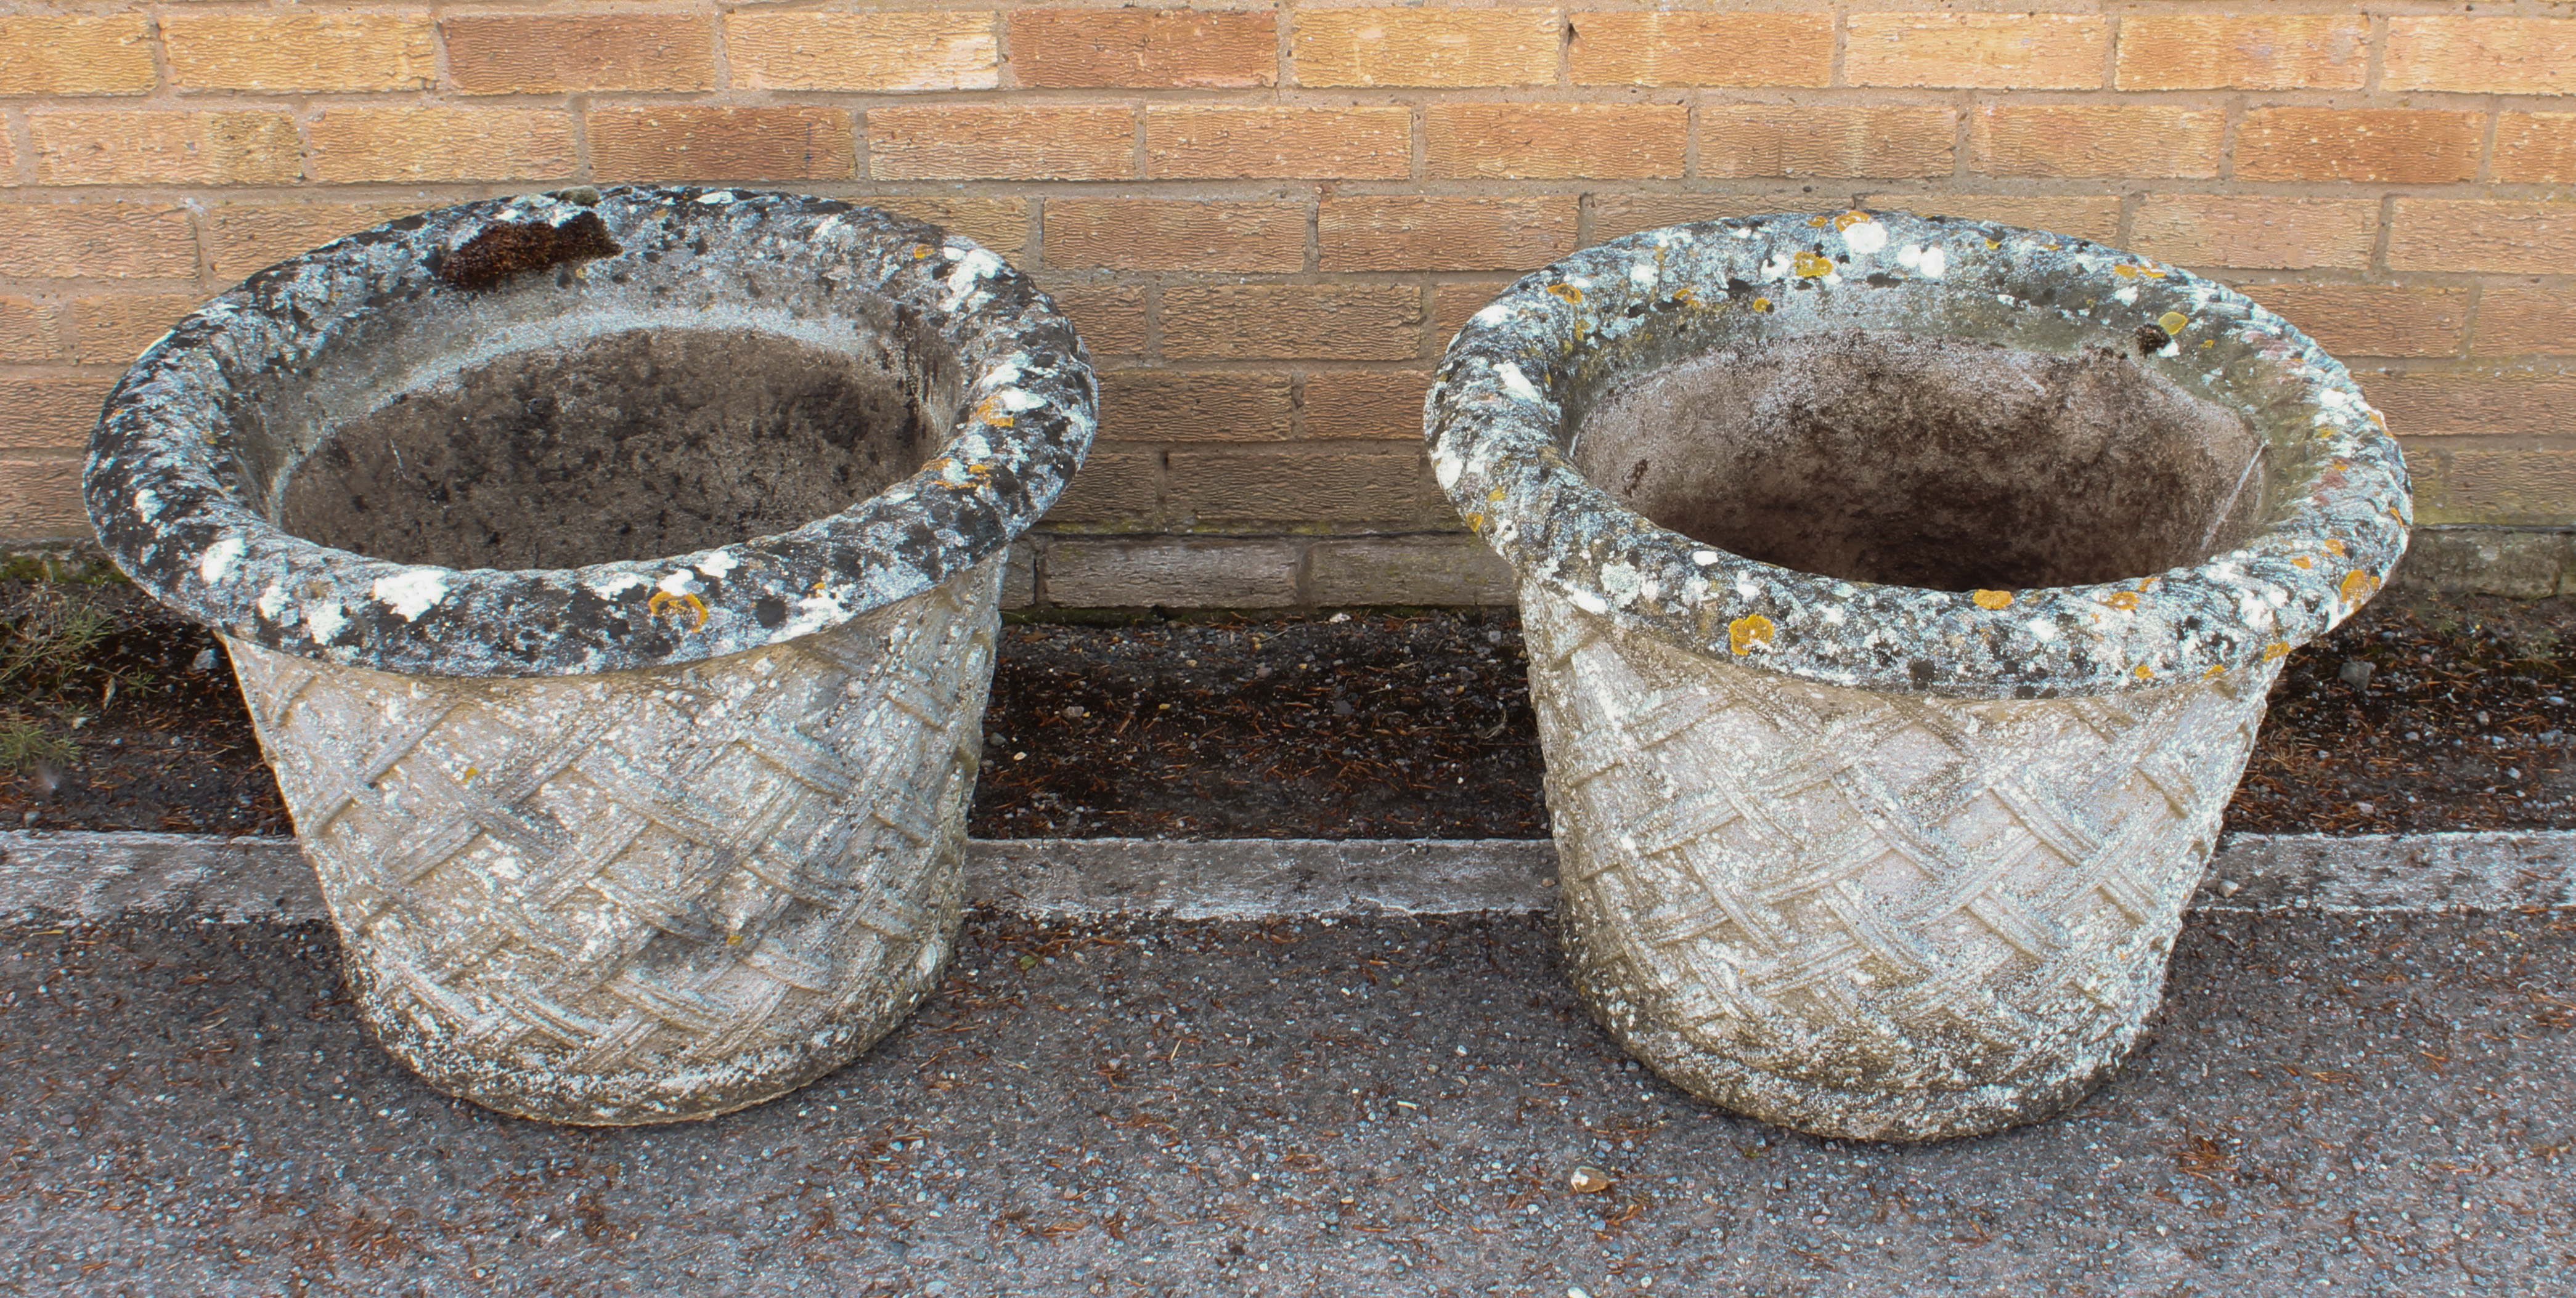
(96, 877)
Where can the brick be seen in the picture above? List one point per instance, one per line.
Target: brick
(1339, 322)
(290, 51)
(1415, 232)
(1179, 406)
(1110, 317)
(115, 330)
(2482, 561)
(1451, 304)
(57, 55)
(102, 240)
(863, 51)
(1322, 482)
(1155, 234)
(2514, 56)
(544, 54)
(1614, 215)
(2371, 319)
(2243, 51)
(1079, 48)
(2481, 235)
(1214, 143)
(40, 496)
(1354, 405)
(2518, 321)
(2398, 146)
(160, 147)
(29, 330)
(2478, 485)
(2536, 148)
(1411, 571)
(2085, 216)
(1113, 486)
(2258, 233)
(1701, 49)
(245, 237)
(2025, 51)
(1424, 47)
(974, 141)
(689, 142)
(1833, 140)
(1555, 141)
(2472, 405)
(2095, 140)
(51, 413)
(1001, 224)
(352, 144)
(1172, 572)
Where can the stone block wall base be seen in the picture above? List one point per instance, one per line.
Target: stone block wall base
(1052, 570)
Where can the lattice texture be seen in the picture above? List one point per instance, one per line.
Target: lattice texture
(643, 895)
(1839, 890)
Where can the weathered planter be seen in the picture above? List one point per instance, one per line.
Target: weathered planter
(1901, 596)
(613, 581)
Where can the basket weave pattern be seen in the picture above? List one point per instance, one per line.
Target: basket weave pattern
(1835, 908)
(644, 895)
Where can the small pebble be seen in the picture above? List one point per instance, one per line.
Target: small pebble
(2356, 672)
(2366, 808)
(1588, 1180)
(1075, 713)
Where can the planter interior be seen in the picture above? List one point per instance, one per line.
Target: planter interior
(618, 618)
(1943, 463)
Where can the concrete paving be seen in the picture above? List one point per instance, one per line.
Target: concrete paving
(2334, 1103)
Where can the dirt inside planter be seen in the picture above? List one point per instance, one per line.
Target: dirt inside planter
(116, 715)
(1933, 462)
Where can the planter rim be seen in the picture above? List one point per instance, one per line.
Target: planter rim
(1494, 412)
(157, 487)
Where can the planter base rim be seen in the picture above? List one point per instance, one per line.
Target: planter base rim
(1893, 1116)
(625, 1097)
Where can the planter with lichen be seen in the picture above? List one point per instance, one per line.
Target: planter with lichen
(613, 580)
(1901, 595)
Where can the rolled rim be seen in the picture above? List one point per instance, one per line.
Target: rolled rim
(167, 500)
(1494, 420)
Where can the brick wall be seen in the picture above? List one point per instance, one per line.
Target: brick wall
(1268, 218)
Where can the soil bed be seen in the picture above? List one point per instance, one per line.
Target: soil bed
(1360, 725)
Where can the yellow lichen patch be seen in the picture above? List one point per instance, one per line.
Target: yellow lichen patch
(2276, 649)
(1849, 219)
(1812, 265)
(991, 412)
(1567, 291)
(664, 599)
(1496, 494)
(1474, 521)
(2215, 670)
(2303, 561)
(2358, 586)
(2142, 672)
(2208, 342)
(2133, 272)
(2173, 322)
(1685, 297)
(1992, 244)
(923, 252)
(1992, 599)
(2121, 599)
(2332, 546)
(1761, 304)
(1746, 633)
(1820, 222)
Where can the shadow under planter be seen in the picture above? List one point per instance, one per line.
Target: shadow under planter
(617, 613)
(1901, 596)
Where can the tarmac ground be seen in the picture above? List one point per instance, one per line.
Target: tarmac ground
(2333, 1103)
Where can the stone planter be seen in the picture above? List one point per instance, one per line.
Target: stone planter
(613, 581)
(1901, 596)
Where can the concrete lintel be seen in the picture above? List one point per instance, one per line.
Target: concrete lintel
(103, 876)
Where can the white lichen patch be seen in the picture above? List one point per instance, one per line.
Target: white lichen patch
(219, 558)
(1864, 238)
(411, 592)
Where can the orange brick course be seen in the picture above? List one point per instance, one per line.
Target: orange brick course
(1267, 218)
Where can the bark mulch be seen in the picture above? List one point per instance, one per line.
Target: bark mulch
(2424, 713)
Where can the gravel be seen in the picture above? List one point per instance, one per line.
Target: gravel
(2333, 1103)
